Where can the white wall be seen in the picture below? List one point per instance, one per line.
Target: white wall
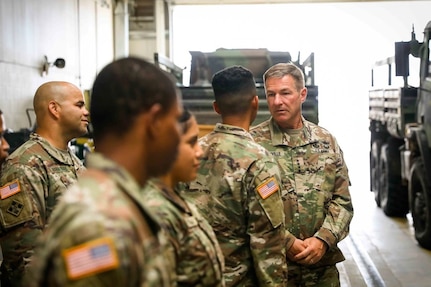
(80, 31)
(143, 47)
(347, 38)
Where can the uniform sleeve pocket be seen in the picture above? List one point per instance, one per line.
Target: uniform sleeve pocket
(273, 208)
(15, 210)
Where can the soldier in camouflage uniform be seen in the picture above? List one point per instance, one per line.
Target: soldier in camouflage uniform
(237, 188)
(38, 172)
(314, 176)
(199, 260)
(102, 234)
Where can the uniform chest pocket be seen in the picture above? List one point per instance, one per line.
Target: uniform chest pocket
(316, 174)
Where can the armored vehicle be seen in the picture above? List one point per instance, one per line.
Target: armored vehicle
(198, 95)
(400, 126)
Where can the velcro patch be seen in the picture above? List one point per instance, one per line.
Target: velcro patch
(268, 187)
(90, 258)
(10, 189)
(15, 208)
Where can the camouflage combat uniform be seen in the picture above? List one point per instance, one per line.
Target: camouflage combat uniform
(315, 192)
(199, 258)
(101, 234)
(237, 191)
(33, 178)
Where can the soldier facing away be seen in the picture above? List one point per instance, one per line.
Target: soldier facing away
(35, 175)
(237, 187)
(102, 233)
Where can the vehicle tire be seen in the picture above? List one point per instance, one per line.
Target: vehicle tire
(393, 196)
(374, 169)
(420, 203)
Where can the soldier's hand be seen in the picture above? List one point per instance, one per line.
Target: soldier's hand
(314, 251)
(297, 247)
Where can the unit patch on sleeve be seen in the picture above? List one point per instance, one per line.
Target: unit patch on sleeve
(10, 189)
(268, 187)
(90, 258)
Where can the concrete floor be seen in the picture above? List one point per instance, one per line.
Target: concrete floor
(382, 251)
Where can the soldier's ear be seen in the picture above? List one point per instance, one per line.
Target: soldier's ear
(153, 118)
(303, 94)
(255, 102)
(216, 108)
(54, 109)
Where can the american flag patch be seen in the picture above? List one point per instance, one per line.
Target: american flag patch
(10, 189)
(90, 258)
(267, 187)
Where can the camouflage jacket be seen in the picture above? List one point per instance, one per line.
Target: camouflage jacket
(101, 234)
(33, 178)
(199, 258)
(315, 183)
(237, 190)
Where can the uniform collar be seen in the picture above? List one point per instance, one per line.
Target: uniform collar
(280, 137)
(63, 156)
(234, 130)
(121, 176)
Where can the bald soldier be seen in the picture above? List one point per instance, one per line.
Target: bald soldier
(38, 172)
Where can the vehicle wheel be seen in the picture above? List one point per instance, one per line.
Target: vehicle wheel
(393, 196)
(374, 169)
(420, 205)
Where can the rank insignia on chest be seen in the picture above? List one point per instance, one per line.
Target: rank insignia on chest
(10, 189)
(268, 187)
(90, 258)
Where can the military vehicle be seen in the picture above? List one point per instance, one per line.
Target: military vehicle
(400, 126)
(198, 95)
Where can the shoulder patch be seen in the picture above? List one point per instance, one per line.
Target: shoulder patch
(10, 189)
(268, 187)
(90, 258)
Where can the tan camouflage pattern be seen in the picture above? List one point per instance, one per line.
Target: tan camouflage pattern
(44, 173)
(250, 230)
(106, 202)
(315, 184)
(200, 260)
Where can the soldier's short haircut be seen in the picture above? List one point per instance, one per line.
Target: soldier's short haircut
(124, 89)
(234, 88)
(283, 69)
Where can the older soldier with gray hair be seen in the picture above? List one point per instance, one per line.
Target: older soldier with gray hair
(101, 234)
(315, 179)
(237, 187)
(37, 173)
